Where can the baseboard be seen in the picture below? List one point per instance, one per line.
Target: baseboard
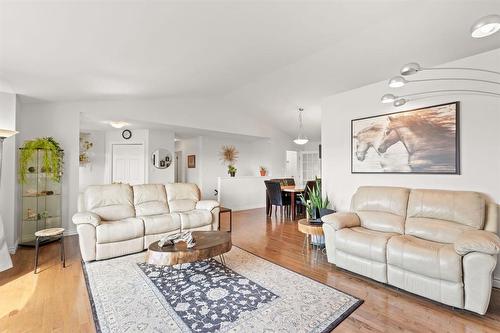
(496, 281)
(246, 207)
(70, 232)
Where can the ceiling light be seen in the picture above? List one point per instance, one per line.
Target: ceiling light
(400, 102)
(410, 69)
(118, 124)
(388, 98)
(485, 26)
(301, 138)
(397, 82)
(4, 133)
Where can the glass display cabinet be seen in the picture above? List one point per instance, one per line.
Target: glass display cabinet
(41, 200)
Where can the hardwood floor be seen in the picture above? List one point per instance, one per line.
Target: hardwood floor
(56, 300)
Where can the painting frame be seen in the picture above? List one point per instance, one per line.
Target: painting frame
(457, 163)
(191, 161)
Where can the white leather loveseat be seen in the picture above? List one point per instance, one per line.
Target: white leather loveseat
(438, 244)
(119, 219)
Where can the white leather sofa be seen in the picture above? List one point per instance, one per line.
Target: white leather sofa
(438, 244)
(119, 219)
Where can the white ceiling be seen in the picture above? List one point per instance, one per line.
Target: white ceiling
(268, 56)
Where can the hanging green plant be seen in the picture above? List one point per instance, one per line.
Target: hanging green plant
(52, 161)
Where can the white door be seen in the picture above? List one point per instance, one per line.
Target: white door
(291, 164)
(310, 165)
(128, 164)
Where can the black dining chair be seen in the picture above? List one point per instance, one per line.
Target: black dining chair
(276, 199)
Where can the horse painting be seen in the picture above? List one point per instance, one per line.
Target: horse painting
(417, 141)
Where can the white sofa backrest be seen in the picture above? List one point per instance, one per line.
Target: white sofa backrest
(150, 199)
(182, 196)
(441, 216)
(111, 202)
(381, 208)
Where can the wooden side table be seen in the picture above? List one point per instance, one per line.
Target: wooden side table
(310, 230)
(46, 233)
(227, 210)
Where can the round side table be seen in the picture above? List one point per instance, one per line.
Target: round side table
(313, 233)
(45, 233)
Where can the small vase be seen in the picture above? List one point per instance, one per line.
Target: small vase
(262, 173)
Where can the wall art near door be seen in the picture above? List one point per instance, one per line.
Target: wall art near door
(191, 161)
(423, 141)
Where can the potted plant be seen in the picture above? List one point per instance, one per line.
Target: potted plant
(263, 171)
(315, 204)
(229, 156)
(231, 170)
(52, 162)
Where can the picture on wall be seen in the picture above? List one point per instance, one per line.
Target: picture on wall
(423, 141)
(191, 161)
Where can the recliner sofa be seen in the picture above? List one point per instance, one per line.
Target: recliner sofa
(434, 243)
(119, 219)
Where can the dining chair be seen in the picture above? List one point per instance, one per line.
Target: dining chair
(276, 198)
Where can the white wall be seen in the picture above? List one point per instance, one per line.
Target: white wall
(41, 120)
(8, 196)
(479, 137)
(94, 172)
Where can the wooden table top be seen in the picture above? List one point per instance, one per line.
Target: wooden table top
(306, 227)
(292, 189)
(209, 244)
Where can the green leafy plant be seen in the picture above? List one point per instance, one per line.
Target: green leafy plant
(315, 201)
(52, 158)
(231, 169)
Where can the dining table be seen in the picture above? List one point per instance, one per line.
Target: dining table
(293, 190)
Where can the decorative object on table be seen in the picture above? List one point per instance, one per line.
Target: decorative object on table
(161, 158)
(41, 189)
(231, 170)
(423, 141)
(191, 161)
(86, 146)
(225, 299)
(52, 158)
(301, 138)
(263, 171)
(185, 237)
(126, 134)
(52, 234)
(313, 201)
(5, 261)
(229, 156)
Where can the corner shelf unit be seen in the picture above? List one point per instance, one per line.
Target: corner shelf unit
(40, 201)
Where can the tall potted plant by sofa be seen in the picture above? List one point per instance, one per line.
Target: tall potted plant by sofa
(315, 205)
(229, 155)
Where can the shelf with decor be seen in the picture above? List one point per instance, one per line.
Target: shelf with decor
(40, 178)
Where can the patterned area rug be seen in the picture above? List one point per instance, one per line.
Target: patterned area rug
(249, 295)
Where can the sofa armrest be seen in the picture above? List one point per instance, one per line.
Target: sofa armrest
(477, 241)
(341, 220)
(87, 218)
(207, 204)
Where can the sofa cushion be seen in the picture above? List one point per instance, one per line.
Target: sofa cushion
(381, 208)
(111, 202)
(157, 224)
(117, 231)
(423, 257)
(195, 219)
(150, 199)
(182, 196)
(442, 216)
(364, 243)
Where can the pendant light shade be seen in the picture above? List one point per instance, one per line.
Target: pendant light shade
(301, 138)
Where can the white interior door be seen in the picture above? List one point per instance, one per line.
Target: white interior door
(310, 165)
(291, 164)
(128, 164)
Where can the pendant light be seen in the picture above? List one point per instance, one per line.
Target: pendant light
(301, 138)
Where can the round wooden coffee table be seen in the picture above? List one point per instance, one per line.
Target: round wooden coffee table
(209, 244)
(313, 233)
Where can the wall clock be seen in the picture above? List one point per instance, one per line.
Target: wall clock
(126, 134)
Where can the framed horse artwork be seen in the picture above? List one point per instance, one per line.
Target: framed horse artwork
(424, 141)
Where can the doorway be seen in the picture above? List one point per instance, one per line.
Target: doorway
(178, 167)
(128, 164)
